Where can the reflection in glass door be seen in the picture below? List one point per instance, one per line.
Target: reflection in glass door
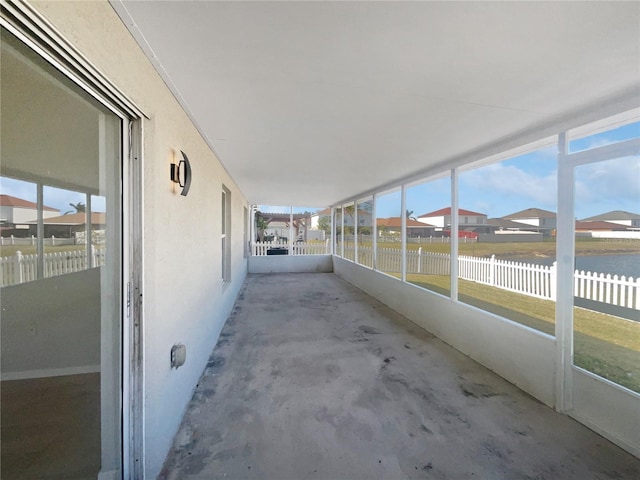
(60, 175)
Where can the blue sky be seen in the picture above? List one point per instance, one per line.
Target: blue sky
(53, 197)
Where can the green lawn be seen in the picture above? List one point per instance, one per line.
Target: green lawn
(606, 345)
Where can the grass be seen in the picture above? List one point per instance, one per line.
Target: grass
(606, 345)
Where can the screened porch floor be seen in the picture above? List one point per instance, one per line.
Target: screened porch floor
(313, 379)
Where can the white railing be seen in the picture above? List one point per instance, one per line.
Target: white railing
(21, 268)
(528, 279)
(298, 248)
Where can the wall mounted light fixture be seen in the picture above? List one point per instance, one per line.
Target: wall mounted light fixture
(178, 355)
(181, 173)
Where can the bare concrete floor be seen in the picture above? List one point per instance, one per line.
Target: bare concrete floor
(313, 379)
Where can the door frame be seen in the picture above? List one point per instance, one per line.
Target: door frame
(133, 414)
(122, 448)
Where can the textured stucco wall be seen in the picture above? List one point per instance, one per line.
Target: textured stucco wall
(291, 264)
(184, 298)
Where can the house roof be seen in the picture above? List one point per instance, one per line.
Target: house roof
(97, 218)
(397, 222)
(613, 215)
(447, 211)
(531, 213)
(598, 225)
(9, 201)
(509, 224)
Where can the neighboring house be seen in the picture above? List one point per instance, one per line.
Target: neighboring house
(504, 225)
(364, 218)
(67, 226)
(628, 219)
(319, 215)
(598, 226)
(467, 220)
(16, 212)
(393, 225)
(278, 225)
(541, 220)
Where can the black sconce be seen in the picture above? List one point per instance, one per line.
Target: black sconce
(181, 174)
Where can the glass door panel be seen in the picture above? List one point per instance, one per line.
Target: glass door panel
(606, 312)
(61, 176)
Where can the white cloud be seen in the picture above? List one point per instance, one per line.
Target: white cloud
(609, 185)
(492, 184)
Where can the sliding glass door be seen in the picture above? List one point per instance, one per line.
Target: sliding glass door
(61, 273)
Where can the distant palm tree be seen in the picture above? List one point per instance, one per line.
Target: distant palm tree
(410, 215)
(261, 225)
(79, 208)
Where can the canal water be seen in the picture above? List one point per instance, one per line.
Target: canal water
(627, 265)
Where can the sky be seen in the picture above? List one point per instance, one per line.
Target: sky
(57, 198)
(498, 189)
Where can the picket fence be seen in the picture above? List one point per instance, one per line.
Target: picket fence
(33, 240)
(21, 268)
(528, 279)
(298, 248)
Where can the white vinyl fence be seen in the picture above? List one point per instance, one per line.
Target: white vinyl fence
(528, 279)
(611, 289)
(298, 248)
(21, 268)
(33, 240)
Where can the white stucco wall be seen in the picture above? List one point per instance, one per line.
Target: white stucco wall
(22, 215)
(184, 298)
(619, 421)
(51, 326)
(435, 221)
(528, 221)
(291, 264)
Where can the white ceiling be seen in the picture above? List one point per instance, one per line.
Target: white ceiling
(308, 103)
